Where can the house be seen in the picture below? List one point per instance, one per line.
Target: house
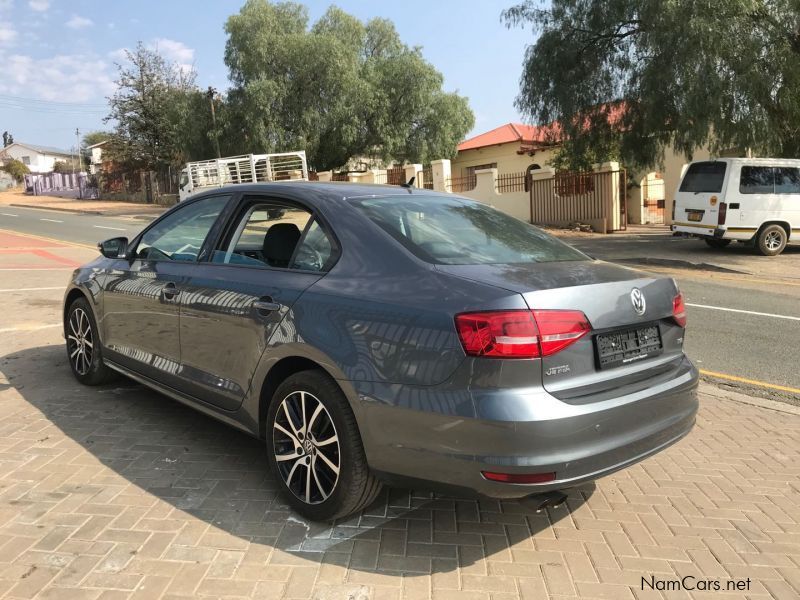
(514, 147)
(39, 159)
(95, 152)
(510, 148)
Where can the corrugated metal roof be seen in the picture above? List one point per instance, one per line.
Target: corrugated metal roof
(41, 149)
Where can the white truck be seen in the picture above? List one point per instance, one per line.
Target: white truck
(249, 168)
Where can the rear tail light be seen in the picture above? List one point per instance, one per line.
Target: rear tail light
(520, 333)
(519, 477)
(679, 310)
(723, 212)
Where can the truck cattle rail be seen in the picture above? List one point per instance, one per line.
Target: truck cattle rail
(249, 168)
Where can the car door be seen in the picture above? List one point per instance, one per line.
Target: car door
(270, 253)
(141, 294)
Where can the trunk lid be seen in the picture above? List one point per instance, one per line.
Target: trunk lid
(603, 292)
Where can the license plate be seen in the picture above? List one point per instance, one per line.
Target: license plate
(695, 216)
(624, 347)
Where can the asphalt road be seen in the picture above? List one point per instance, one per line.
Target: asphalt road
(69, 227)
(726, 333)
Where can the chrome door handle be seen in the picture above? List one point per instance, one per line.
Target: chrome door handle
(265, 306)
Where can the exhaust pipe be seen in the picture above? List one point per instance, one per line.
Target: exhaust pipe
(552, 499)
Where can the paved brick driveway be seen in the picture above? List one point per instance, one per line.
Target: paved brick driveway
(118, 492)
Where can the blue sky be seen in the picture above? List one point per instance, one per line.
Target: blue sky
(57, 57)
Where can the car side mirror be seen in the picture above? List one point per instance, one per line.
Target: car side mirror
(114, 248)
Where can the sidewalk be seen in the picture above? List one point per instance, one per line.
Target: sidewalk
(108, 208)
(655, 246)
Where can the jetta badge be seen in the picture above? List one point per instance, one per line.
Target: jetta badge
(638, 301)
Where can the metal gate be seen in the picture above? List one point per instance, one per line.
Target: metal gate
(653, 201)
(580, 197)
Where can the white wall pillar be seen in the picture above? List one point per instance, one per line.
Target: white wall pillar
(441, 173)
(414, 170)
(324, 175)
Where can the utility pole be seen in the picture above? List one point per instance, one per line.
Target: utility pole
(80, 160)
(210, 93)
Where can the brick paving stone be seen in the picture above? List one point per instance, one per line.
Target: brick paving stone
(117, 492)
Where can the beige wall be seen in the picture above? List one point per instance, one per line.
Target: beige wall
(505, 155)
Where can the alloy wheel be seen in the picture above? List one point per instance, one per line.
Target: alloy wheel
(773, 240)
(80, 341)
(306, 447)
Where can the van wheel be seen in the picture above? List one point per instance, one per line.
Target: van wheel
(315, 449)
(717, 243)
(771, 240)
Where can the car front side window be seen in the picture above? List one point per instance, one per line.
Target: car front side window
(266, 235)
(180, 236)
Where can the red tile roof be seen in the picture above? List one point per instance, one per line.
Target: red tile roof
(505, 134)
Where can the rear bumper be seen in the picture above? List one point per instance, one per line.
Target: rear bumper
(703, 231)
(438, 444)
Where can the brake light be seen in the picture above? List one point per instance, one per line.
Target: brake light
(679, 310)
(520, 333)
(723, 212)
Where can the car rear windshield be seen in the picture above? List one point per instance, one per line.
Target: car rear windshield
(457, 231)
(704, 177)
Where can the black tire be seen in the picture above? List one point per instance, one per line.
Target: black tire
(84, 351)
(771, 240)
(354, 487)
(717, 243)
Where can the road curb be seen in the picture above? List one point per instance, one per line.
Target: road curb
(712, 390)
(676, 263)
(81, 211)
(76, 211)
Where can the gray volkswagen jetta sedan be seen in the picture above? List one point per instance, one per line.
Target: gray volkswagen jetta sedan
(381, 334)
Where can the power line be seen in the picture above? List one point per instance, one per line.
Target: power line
(53, 110)
(41, 101)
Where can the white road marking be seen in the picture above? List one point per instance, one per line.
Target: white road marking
(38, 289)
(29, 327)
(112, 228)
(52, 220)
(8, 215)
(747, 312)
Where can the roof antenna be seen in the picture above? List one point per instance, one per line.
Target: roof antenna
(410, 183)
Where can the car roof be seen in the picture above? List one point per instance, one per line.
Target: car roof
(789, 162)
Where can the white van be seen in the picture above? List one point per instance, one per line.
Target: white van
(743, 199)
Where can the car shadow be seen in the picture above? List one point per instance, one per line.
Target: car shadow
(220, 476)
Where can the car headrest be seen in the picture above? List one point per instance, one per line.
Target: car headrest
(279, 243)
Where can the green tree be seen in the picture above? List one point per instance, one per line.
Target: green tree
(68, 166)
(151, 108)
(632, 77)
(339, 89)
(95, 137)
(17, 169)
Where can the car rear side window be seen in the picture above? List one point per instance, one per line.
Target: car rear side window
(787, 180)
(457, 231)
(757, 180)
(704, 177)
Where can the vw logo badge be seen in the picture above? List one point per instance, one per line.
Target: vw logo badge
(637, 299)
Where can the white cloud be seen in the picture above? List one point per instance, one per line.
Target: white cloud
(39, 5)
(77, 22)
(62, 78)
(174, 50)
(6, 5)
(8, 35)
(119, 54)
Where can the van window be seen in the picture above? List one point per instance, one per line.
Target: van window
(757, 180)
(787, 180)
(704, 177)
